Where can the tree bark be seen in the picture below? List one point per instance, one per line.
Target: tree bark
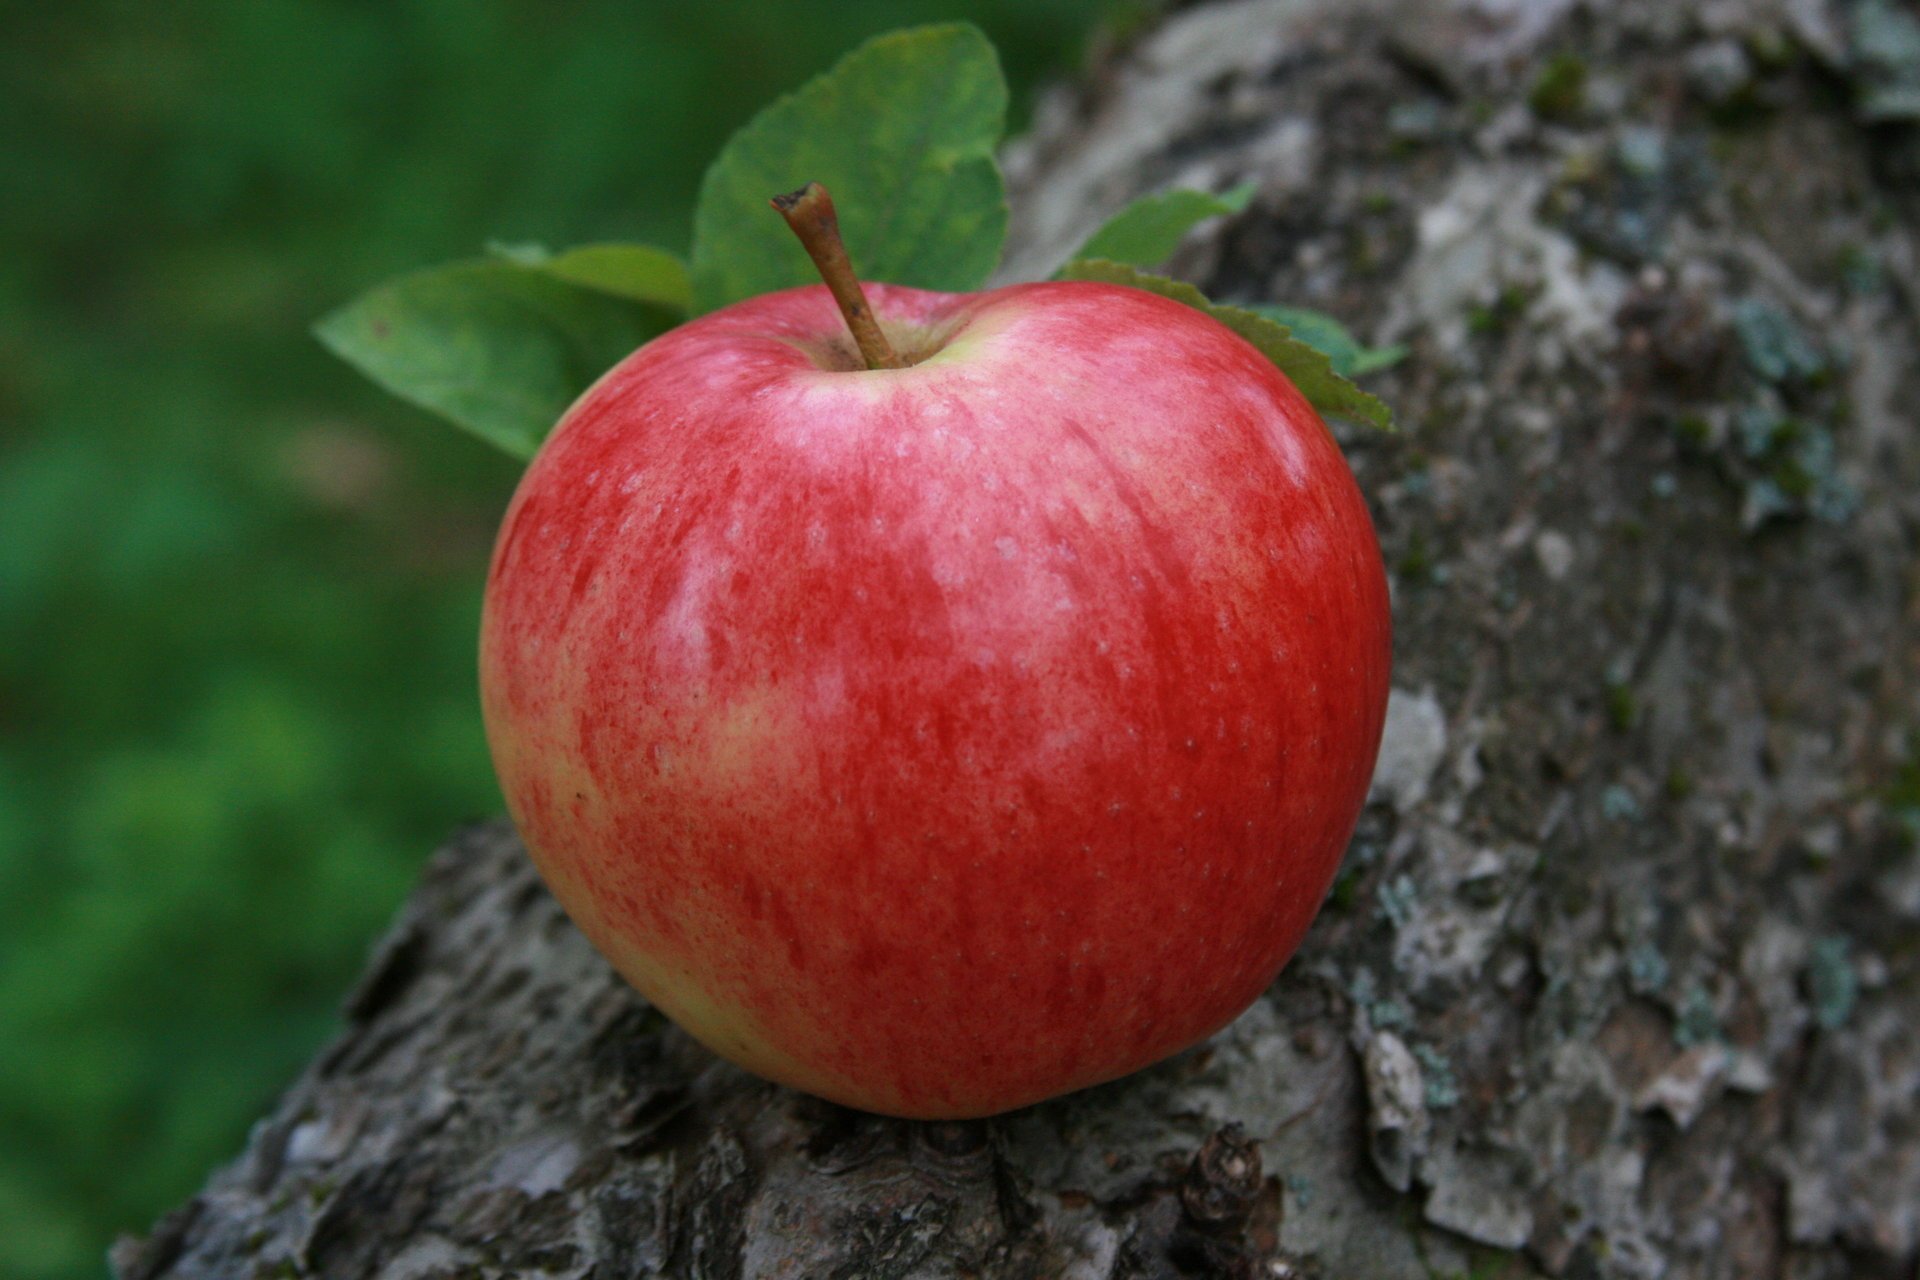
(1620, 978)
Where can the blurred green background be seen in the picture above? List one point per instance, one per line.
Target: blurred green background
(238, 586)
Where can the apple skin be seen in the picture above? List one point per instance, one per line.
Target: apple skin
(942, 739)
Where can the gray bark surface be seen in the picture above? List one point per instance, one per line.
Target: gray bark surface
(1621, 975)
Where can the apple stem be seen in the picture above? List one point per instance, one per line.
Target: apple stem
(809, 211)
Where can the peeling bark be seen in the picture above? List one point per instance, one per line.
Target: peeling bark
(1620, 977)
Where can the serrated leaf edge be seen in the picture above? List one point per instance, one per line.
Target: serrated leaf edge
(1351, 402)
(1226, 203)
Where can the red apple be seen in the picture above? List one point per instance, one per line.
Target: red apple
(939, 739)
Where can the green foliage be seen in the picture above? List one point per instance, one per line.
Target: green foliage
(1350, 357)
(636, 272)
(904, 128)
(239, 588)
(502, 348)
(1146, 232)
(908, 124)
(1309, 369)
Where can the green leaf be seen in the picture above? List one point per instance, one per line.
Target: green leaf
(638, 272)
(1309, 369)
(902, 132)
(498, 348)
(1146, 232)
(1351, 359)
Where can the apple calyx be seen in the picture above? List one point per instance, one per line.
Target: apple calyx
(809, 211)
